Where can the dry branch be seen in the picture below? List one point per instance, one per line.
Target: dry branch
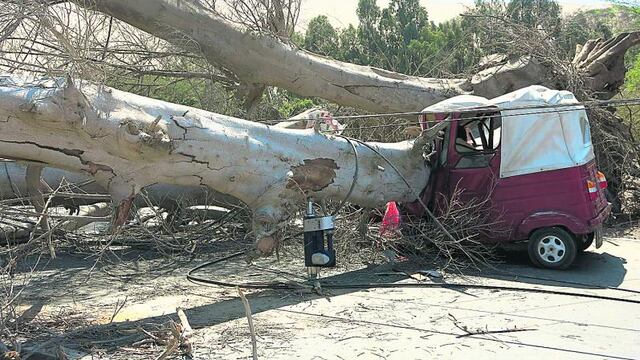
(467, 222)
(252, 330)
(185, 333)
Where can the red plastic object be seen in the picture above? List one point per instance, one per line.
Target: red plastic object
(391, 219)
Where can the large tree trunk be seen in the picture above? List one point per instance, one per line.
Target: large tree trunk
(13, 185)
(128, 142)
(264, 59)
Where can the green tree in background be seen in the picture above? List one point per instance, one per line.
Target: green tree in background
(543, 15)
(400, 25)
(349, 46)
(321, 38)
(401, 38)
(632, 80)
(369, 35)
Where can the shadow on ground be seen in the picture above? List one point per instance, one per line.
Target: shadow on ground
(592, 270)
(114, 335)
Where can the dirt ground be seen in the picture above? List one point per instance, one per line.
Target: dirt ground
(112, 310)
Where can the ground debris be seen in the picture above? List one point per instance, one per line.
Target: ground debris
(485, 331)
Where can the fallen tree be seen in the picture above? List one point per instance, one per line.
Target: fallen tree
(127, 142)
(262, 58)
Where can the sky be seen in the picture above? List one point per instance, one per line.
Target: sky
(341, 13)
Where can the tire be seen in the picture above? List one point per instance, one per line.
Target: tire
(552, 248)
(585, 241)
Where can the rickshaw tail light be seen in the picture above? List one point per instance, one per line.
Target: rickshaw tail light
(592, 189)
(602, 180)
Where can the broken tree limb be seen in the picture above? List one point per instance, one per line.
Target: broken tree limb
(86, 216)
(602, 62)
(127, 142)
(197, 201)
(185, 333)
(262, 58)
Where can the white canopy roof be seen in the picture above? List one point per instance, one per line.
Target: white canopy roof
(538, 132)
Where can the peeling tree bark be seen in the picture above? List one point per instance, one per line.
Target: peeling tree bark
(128, 142)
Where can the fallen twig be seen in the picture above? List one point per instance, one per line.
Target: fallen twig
(173, 343)
(486, 332)
(247, 310)
(118, 308)
(186, 332)
(469, 332)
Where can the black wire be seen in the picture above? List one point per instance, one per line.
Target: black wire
(507, 274)
(329, 285)
(470, 117)
(570, 107)
(355, 175)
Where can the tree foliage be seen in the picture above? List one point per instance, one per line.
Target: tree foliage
(538, 14)
(321, 38)
(400, 37)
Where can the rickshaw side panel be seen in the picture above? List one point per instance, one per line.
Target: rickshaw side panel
(546, 219)
(551, 198)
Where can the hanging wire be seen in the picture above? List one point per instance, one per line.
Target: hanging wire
(554, 108)
(485, 110)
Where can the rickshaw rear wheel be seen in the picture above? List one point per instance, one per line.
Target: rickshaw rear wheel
(585, 241)
(552, 248)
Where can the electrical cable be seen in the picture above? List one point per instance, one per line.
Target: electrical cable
(504, 273)
(332, 285)
(502, 115)
(355, 175)
(552, 107)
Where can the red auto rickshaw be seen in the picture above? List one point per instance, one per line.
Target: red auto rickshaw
(530, 153)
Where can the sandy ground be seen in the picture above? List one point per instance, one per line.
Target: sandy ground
(83, 311)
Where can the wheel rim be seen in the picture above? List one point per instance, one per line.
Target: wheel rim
(551, 249)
